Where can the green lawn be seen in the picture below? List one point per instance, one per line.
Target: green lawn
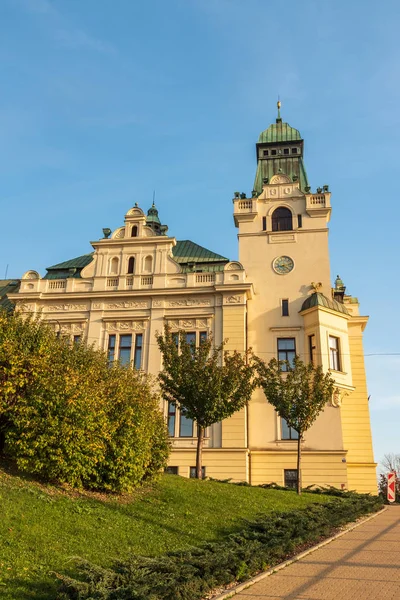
(41, 527)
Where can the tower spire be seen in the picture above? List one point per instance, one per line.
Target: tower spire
(278, 104)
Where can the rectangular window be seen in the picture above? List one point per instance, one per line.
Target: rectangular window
(125, 345)
(286, 352)
(312, 348)
(334, 356)
(185, 426)
(288, 433)
(137, 360)
(265, 152)
(77, 339)
(203, 336)
(264, 223)
(171, 470)
(286, 151)
(193, 472)
(171, 419)
(290, 478)
(299, 221)
(294, 150)
(285, 307)
(111, 348)
(273, 152)
(191, 337)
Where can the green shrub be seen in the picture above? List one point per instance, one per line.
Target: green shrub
(67, 416)
(191, 574)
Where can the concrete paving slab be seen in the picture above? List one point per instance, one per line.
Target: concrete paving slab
(363, 564)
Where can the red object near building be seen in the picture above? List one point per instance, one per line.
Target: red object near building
(391, 487)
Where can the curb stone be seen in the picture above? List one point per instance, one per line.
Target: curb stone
(246, 584)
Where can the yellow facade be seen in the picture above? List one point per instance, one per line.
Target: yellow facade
(277, 298)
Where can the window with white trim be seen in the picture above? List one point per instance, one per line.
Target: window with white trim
(178, 423)
(288, 433)
(286, 353)
(334, 353)
(127, 348)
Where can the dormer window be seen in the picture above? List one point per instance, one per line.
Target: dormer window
(282, 219)
(131, 265)
(134, 231)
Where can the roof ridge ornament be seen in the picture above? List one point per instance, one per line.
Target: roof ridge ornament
(279, 104)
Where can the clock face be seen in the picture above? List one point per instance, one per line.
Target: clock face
(283, 265)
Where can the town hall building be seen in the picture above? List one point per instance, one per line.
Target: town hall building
(278, 298)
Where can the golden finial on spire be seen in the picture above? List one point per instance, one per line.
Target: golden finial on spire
(278, 104)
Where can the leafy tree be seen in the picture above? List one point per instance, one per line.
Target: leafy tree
(298, 395)
(206, 383)
(66, 415)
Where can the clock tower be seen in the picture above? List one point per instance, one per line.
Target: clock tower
(283, 247)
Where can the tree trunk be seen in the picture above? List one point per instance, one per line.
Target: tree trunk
(199, 459)
(299, 464)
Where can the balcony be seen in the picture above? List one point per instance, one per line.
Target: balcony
(318, 205)
(245, 209)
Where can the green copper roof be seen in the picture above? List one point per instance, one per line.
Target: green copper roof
(288, 164)
(184, 252)
(8, 286)
(66, 269)
(187, 251)
(279, 132)
(152, 215)
(318, 299)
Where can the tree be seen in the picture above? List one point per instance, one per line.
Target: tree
(206, 383)
(67, 415)
(298, 395)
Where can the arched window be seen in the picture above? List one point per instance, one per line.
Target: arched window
(148, 264)
(114, 266)
(134, 231)
(282, 219)
(131, 264)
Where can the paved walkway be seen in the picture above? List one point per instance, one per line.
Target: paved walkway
(363, 564)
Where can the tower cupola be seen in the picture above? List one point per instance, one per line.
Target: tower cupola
(153, 221)
(280, 150)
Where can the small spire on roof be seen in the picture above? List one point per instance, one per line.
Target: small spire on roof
(279, 104)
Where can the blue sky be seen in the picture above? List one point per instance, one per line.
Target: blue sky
(104, 101)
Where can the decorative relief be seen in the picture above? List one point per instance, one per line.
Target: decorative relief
(188, 323)
(279, 179)
(337, 397)
(177, 324)
(59, 307)
(233, 299)
(69, 328)
(120, 234)
(125, 326)
(218, 301)
(234, 266)
(97, 305)
(189, 302)
(157, 303)
(114, 305)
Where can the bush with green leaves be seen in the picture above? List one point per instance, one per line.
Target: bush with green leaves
(66, 415)
(191, 574)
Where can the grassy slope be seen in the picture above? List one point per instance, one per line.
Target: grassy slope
(41, 527)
